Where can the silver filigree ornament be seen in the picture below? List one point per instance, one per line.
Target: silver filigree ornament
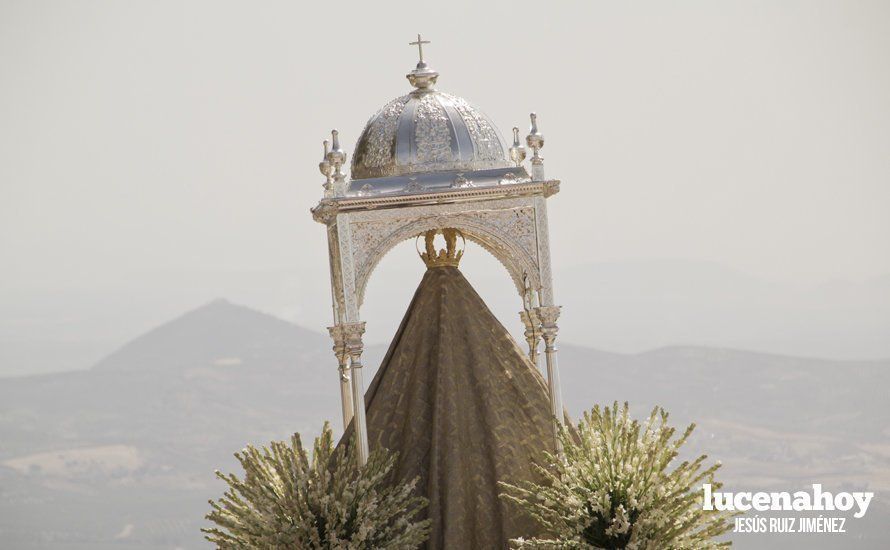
(508, 178)
(414, 186)
(461, 182)
(381, 135)
(367, 190)
(431, 134)
(486, 142)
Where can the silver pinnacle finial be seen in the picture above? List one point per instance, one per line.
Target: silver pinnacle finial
(423, 77)
(517, 152)
(325, 168)
(337, 157)
(535, 141)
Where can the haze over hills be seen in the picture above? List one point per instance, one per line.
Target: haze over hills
(122, 455)
(643, 305)
(629, 307)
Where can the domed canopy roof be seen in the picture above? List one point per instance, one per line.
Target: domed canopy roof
(427, 131)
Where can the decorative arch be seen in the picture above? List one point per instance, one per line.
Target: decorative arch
(507, 220)
(511, 252)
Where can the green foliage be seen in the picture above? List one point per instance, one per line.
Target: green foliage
(613, 489)
(287, 501)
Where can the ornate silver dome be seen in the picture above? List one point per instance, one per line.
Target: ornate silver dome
(427, 131)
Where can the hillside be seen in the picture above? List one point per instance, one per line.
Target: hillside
(122, 455)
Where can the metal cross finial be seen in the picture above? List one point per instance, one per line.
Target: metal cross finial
(420, 42)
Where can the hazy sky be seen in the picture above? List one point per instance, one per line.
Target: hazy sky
(163, 152)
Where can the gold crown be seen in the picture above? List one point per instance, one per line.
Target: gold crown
(448, 256)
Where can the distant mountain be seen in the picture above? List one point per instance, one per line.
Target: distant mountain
(122, 455)
(135, 440)
(218, 334)
(623, 306)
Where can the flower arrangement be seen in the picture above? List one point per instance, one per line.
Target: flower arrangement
(287, 501)
(612, 488)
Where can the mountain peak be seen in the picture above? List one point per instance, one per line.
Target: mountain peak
(218, 330)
